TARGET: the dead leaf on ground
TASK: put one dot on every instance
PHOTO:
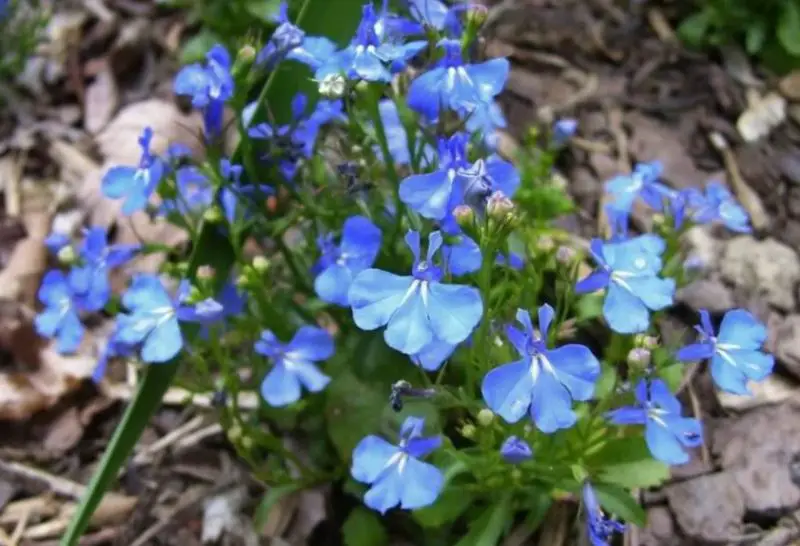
(101, 101)
(761, 117)
(39, 376)
(19, 280)
(64, 432)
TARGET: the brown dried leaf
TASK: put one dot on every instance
(64, 433)
(101, 101)
(19, 281)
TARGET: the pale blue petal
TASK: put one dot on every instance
(742, 329)
(375, 295)
(424, 93)
(628, 416)
(507, 390)
(656, 293)
(463, 257)
(660, 395)
(310, 376)
(370, 458)
(163, 343)
(362, 238)
(421, 484)
(663, 445)
(756, 365)
(409, 330)
(577, 368)
(454, 311)
(280, 387)
(428, 194)
(333, 284)
(433, 355)
(504, 175)
(551, 404)
(385, 493)
(727, 377)
(70, 333)
(688, 431)
(118, 181)
(489, 77)
(624, 312)
(48, 321)
(310, 343)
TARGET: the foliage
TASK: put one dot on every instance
(395, 290)
(21, 26)
(768, 29)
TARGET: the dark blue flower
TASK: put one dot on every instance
(545, 381)
(717, 205)
(153, 317)
(339, 264)
(89, 279)
(293, 364)
(370, 51)
(643, 182)
(629, 270)
(418, 308)
(209, 86)
(135, 184)
(735, 352)
(515, 450)
(396, 474)
(666, 432)
(456, 85)
(59, 318)
(599, 528)
(514, 260)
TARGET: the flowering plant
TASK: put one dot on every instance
(371, 264)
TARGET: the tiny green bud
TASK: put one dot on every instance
(468, 431)
(243, 280)
(639, 357)
(247, 443)
(247, 54)
(565, 255)
(477, 14)
(261, 264)
(645, 341)
(213, 215)
(464, 215)
(485, 417)
(659, 220)
(559, 181)
(67, 255)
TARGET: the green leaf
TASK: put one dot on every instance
(672, 375)
(195, 48)
(590, 307)
(606, 382)
(489, 528)
(694, 28)
(352, 410)
(756, 36)
(265, 10)
(363, 528)
(447, 508)
(789, 27)
(627, 462)
(538, 504)
(618, 501)
(272, 497)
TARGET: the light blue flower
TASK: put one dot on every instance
(135, 184)
(209, 87)
(396, 474)
(431, 357)
(339, 264)
(285, 38)
(599, 528)
(545, 381)
(629, 270)
(293, 364)
(666, 432)
(717, 205)
(735, 353)
(59, 319)
(643, 182)
(515, 450)
(418, 308)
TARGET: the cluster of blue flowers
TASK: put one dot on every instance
(431, 310)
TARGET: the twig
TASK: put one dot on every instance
(190, 498)
(698, 414)
(22, 524)
(198, 436)
(176, 396)
(102, 536)
(147, 453)
(55, 484)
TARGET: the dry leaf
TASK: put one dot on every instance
(42, 376)
(19, 281)
(762, 117)
(790, 85)
(64, 433)
(101, 101)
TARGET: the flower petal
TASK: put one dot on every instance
(507, 390)
(663, 444)
(624, 312)
(428, 194)
(310, 343)
(576, 368)
(333, 284)
(409, 329)
(280, 387)
(551, 404)
(375, 295)
(742, 329)
(163, 342)
(421, 484)
(454, 311)
(371, 457)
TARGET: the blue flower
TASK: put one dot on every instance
(293, 364)
(563, 130)
(237, 199)
(370, 51)
(453, 84)
(461, 254)
(629, 270)
(59, 318)
(195, 192)
(209, 86)
(135, 184)
(545, 381)
(338, 265)
(89, 279)
(599, 528)
(284, 39)
(114, 348)
(515, 450)
(735, 352)
(485, 119)
(717, 205)
(418, 308)
(396, 474)
(152, 318)
(436, 15)
(665, 431)
(56, 241)
(514, 261)
(643, 182)
(485, 177)
(431, 357)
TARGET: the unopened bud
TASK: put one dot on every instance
(194, 295)
(645, 341)
(500, 207)
(468, 431)
(485, 417)
(247, 443)
(477, 14)
(67, 255)
(260, 264)
(213, 215)
(235, 434)
(558, 181)
(565, 255)
(242, 281)
(545, 244)
(205, 272)
(247, 54)
(333, 86)
(639, 357)
(659, 220)
(464, 215)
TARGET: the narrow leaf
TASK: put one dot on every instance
(489, 528)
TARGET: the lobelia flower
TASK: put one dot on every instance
(293, 364)
(237, 199)
(485, 119)
(89, 279)
(456, 85)
(195, 192)
(486, 177)
(545, 381)
(338, 265)
(152, 320)
(369, 52)
(56, 241)
(461, 254)
(643, 182)
(135, 184)
(59, 318)
(232, 302)
(284, 39)
(717, 205)
(209, 86)
(436, 15)
(113, 349)
(563, 130)
(396, 474)
(629, 271)
(418, 308)
(515, 450)
(431, 357)
(665, 431)
(599, 528)
(735, 352)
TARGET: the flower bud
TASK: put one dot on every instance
(639, 357)
(499, 207)
(260, 264)
(205, 272)
(235, 434)
(477, 15)
(242, 281)
(468, 431)
(565, 255)
(485, 417)
(645, 341)
(333, 86)
(558, 181)
(247, 54)
(659, 220)
(563, 130)
(67, 255)
(515, 450)
(247, 443)
(213, 215)
(545, 244)
(464, 215)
